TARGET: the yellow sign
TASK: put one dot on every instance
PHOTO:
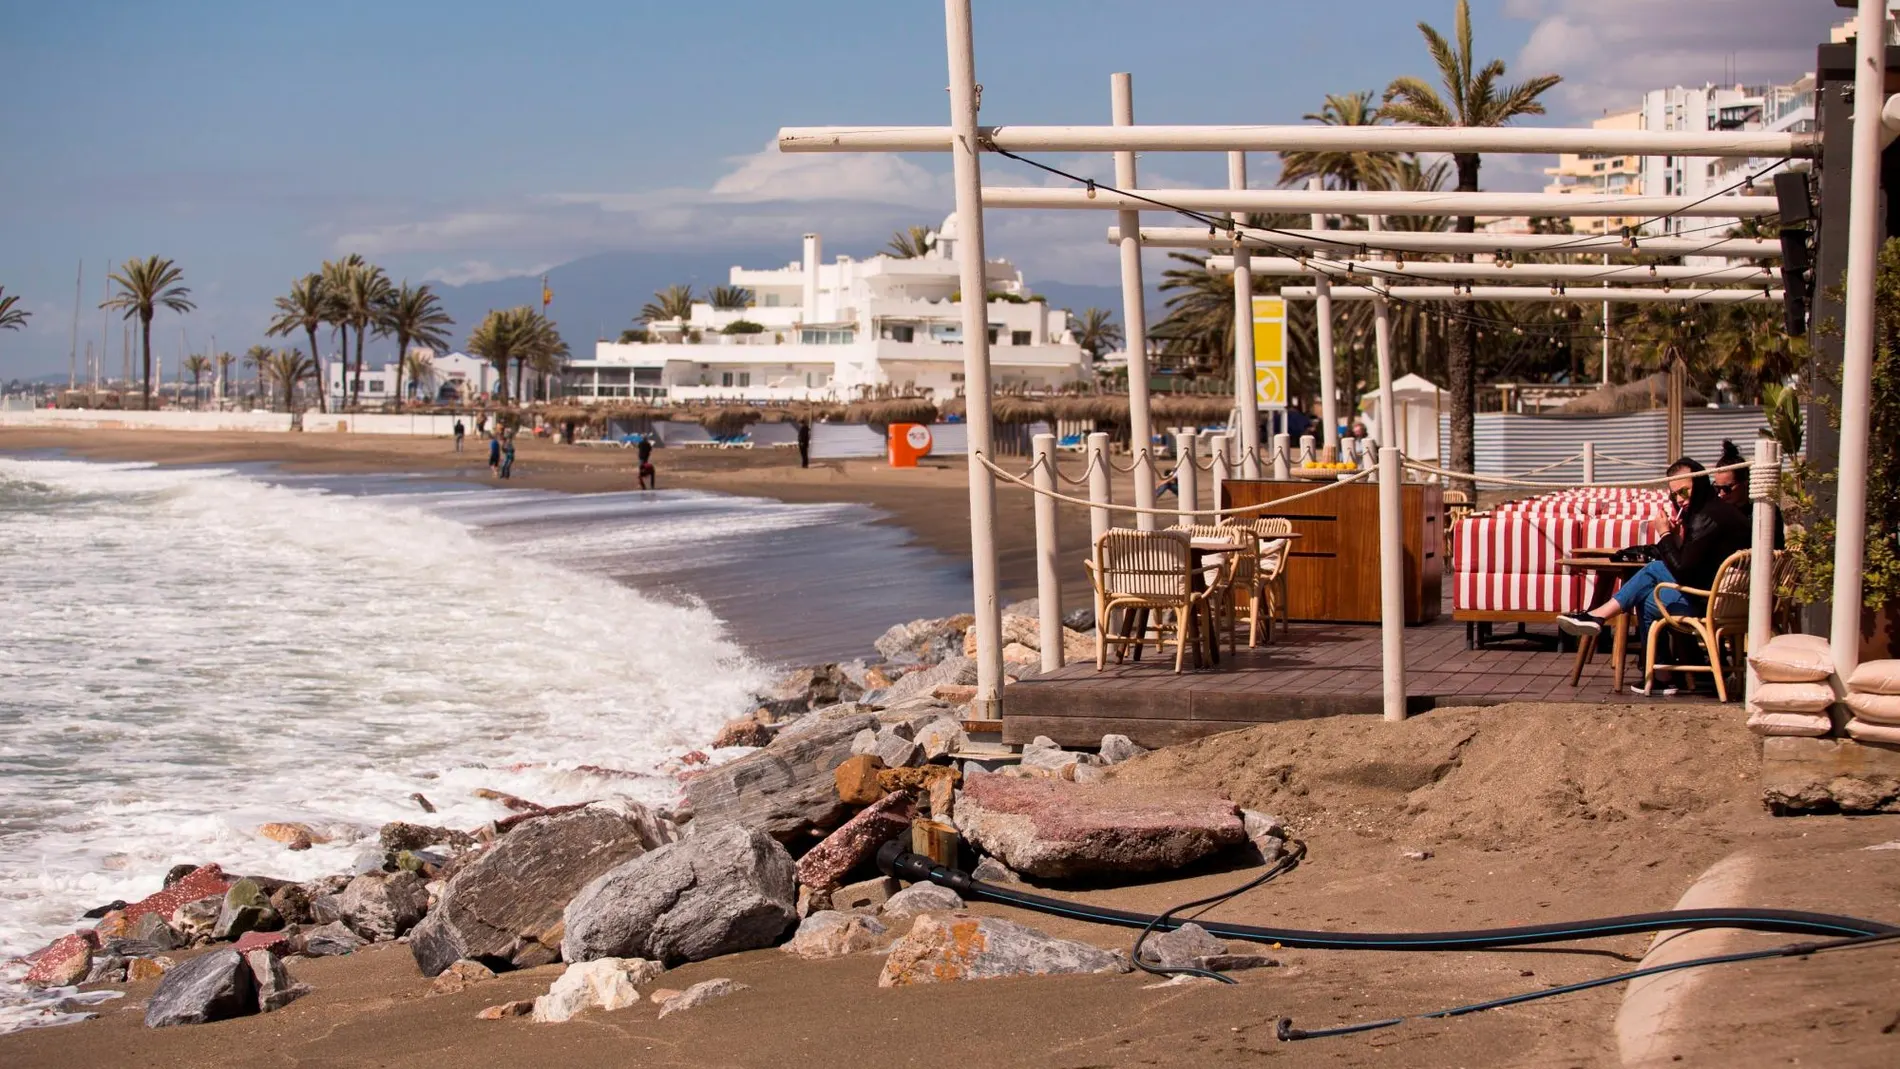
(1269, 351)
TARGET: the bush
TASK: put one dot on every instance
(742, 326)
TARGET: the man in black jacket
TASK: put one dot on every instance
(1704, 532)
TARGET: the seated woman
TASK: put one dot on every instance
(1703, 532)
(1732, 488)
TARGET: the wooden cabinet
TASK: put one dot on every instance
(1334, 570)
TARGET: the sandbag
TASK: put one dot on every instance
(1862, 731)
(1792, 698)
(1811, 725)
(1876, 677)
(1876, 708)
(1795, 659)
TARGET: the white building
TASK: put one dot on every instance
(835, 331)
(453, 378)
(1775, 108)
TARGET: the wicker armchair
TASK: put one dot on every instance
(1144, 574)
(1723, 619)
(1232, 570)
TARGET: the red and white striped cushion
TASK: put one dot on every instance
(1509, 563)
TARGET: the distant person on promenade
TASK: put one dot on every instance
(804, 443)
(494, 454)
(508, 455)
(460, 432)
(646, 449)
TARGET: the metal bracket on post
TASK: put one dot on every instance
(1048, 553)
(1392, 580)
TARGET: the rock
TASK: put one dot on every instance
(137, 969)
(856, 778)
(863, 895)
(941, 738)
(786, 789)
(154, 929)
(292, 904)
(1118, 748)
(330, 940)
(1266, 833)
(426, 864)
(898, 750)
(275, 990)
(990, 870)
(384, 907)
(177, 873)
(195, 920)
(1236, 962)
(1042, 753)
(955, 670)
(701, 993)
(1084, 773)
(328, 909)
(813, 688)
(65, 962)
(661, 994)
(864, 742)
(518, 1008)
(190, 885)
(459, 976)
(277, 943)
(858, 839)
(955, 693)
(1184, 948)
(295, 836)
(942, 948)
(1416, 855)
(106, 969)
(813, 899)
(211, 987)
(1053, 829)
(245, 909)
(924, 641)
(919, 899)
(604, 984)
(937, 782)
(397, 836)
(745, 731)
(831, 934)
(505, 906)
(1081, 621)
(724, 890)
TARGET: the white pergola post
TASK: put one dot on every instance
(1282, 463)
(1186, 483)
(1391, 529)
(1134, 312)
(1323, 321)
(1589, 462)
(1857, 361)
(972, 258)
(1220, 461)
(1048, 553)
(1246, 397)
(1764, 476)
(1101, 487)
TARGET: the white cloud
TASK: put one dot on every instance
(881, 177)
(468, 271)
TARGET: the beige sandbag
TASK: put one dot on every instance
(1875, 677)
(1865, 732)
(1792, 698)
(1811, 725)
(1876, 708)
(1794, 659)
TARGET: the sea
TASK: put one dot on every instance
(189, 653)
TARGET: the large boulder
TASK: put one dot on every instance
(211, 987)
(1025, 631)
(943, 948)
(1056, 829)
(504, 907)
(785, 789)
(379, 907)
(829, 862)
(246, 908)
(816, 687)
(954, 670)
(67, 961)
(723, 890)
(924, 641)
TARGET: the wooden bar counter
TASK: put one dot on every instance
(1333, 571)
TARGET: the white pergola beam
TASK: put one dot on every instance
(1342, 242)
(1383, 271)
(1537, 294)
(1374, 202)
(1506, 139)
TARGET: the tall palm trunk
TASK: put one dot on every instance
(1460, 358)
(356, 382)
(145, 342)
(402, 354)
(316, 361)
(521, 375)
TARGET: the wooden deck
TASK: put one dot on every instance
(1311, 670)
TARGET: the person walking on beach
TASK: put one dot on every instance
(494, 453)
(508, 455)
(460, 432)
(645, 449)
(804, 443)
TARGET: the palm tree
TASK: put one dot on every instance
(306, 307)
(547, 355)
(196, 365)
(357, 290)
(287, 368)
(225, 360)
(1096, 331)
(144, 286)
(910, 244)
(673, 302)
(11, 318)
(510, 334)
(1469, 100)
(1345, 170)
(258, 359)
(418, 364)
(1199, 326)
(728, 298)
(413, 315)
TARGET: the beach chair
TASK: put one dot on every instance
(1146, 575)
(1721, 627)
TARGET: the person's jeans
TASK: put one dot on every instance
(1635, 595)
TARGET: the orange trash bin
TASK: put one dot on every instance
(906, 443)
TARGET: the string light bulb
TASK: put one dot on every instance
(1091, 188)
(1652, 270)
(1398, 261)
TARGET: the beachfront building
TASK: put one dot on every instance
(1594, 173)
(813, 330)
(447, 379)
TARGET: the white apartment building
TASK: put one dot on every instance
(452, 378)
(834, 331)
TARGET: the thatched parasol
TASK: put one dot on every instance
(1196, 409)
(1010, 409)
(894, 410)
(1639, 396)
(727, 422)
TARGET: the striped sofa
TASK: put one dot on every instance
(1504, 562)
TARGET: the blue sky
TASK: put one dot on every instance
(474, 140)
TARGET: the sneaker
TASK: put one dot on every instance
(1580, 624)
(1664, 691)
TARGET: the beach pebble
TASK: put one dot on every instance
(1185, 947)
(518, 1008)
(701, 993)
(918, 899)
(831, 934)
(459, 976)
(947, 947)
(1416, 855)
(210, 987)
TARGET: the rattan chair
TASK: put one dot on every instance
(1146, 575)
(1457, 507)
(1228, 572)
(1721, 626)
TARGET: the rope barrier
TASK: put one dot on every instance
(1248, 510)
(1506, 480)
(1625, 463)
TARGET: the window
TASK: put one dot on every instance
(956, 376)
(904, 333)
(1019, 337)
(771, 300)
(615, 376)
(835, 336)
(745, 378)
(375, 386)
(725, 378)
(647, 375)
(993, 332)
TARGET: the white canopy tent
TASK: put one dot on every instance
(1418, 401)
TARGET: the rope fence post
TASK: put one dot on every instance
(1392, 581)
(1282, 469)
(1589, 463)
(1186, 488)
(1763, 488)
(1218, 474)
(1306, 448)
(1048, 553)
(1101, 487)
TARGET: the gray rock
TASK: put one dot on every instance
(1119, 748)
(106, 969)
(275, 990)
(831, 934)
(896, 751)
(868, 894)
(701, 993)
(811, 688)
(1184, 948)
(1416, 855)
(924, 641)
(785, 789)
(1050, 828)
(918, 899)
(864, 742)
(1266, 833)
(1082, 620)
(941, 738)
(330, 940)
(724, 890)
(819, 719)
(379, 907)
(947, 947)
(328, 909)
(990, 870)
(504, 907)
(954, 670)
(194, 921)
(1082, 772)
(151, 928)
(211, 987)
(1043, 753)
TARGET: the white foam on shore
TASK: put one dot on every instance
(185, 655)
